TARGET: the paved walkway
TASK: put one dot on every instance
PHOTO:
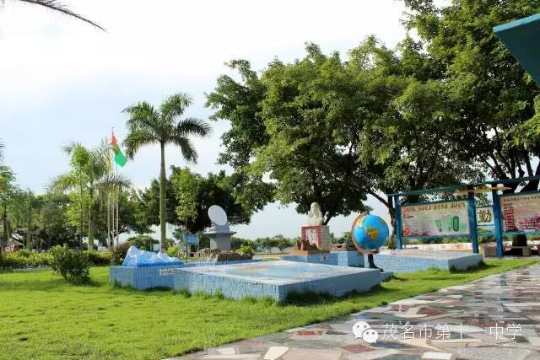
(497, 317)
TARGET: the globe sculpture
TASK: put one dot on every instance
(369, 232)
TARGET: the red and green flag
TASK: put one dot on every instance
(119, 157)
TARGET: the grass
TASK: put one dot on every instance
(43, 317)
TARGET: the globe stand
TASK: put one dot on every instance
(371, 263)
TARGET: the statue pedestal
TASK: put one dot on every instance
(318, 236)
(220, 240)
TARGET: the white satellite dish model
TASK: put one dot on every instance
(217, 215)
(220, 233)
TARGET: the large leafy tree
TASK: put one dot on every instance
(333, 131)
(238, 101)
(493, 96)
(309, 109)
(57, 6)
(53, 224)
(194, 194)
(164, 126)
(189, 197)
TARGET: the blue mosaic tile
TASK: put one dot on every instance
(275, 279)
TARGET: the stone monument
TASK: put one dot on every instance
(315, 236)
(220, 233)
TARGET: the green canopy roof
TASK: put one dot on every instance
(522, 38)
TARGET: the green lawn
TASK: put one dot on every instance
(42, 317)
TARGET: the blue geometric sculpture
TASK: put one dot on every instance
(142, 258)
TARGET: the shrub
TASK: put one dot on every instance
(143, 242)
(25, 260)
(73, 266)
(23, 253)
(173, 251)
(119, 253)
(99, 259)
(246, 250)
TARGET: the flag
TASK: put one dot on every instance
(119, 157)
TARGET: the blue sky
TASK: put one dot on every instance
(62, 80)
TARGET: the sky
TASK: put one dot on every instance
(62, 80)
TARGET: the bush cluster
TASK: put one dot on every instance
(246, 250)
(73, 266)
(99, 258)
(119, 253)
(24, 259)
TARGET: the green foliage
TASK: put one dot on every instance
(25, 260)
(237, 243)
(143, 242)
(89, 183)
(491, 96)
(73, 266)
(192, 194)
(246, 250)
(174, 251)
(99, 258)
(119, 253)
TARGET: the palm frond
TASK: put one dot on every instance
(186, 146)
(59, 7)
(63, 183)
(6, 177)
(142, 116)
(192, 126)
(114, 180)
(136, 139)
(70, 147)
(175, 105)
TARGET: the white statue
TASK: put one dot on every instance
(315, 217)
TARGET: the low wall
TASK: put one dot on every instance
(408, 262)
(339, 258)
(142, 278)
(338, 282)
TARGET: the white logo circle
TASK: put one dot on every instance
(359, 328)
(370, 336)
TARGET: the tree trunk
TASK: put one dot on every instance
(162, 198)
(91, 221)
(90, 233)
(3, 243)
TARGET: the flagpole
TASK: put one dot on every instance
(110, 204)
(109, 245)
(117, 209)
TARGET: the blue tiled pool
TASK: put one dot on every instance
(410, 260)
(275, 279)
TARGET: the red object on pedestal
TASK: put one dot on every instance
(313, 235)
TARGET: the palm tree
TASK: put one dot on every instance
(164, 126)
(89, 178)
(59, 7)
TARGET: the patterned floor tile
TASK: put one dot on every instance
(492, 318)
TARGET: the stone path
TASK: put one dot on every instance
(494, 318)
